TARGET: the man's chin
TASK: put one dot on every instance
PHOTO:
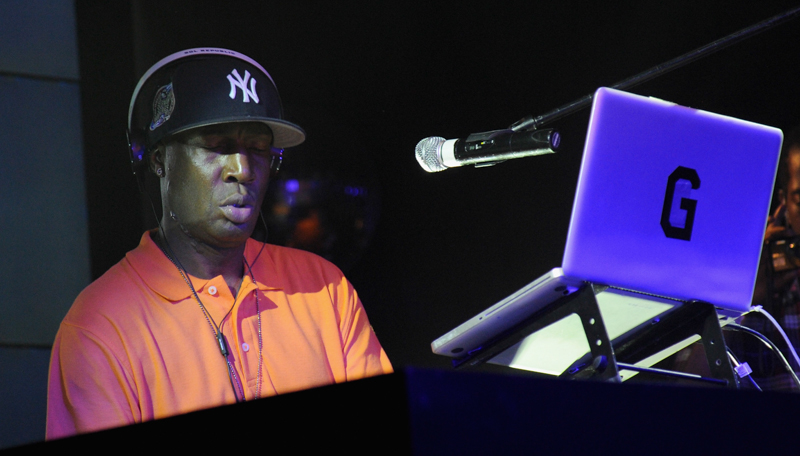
(233, 235)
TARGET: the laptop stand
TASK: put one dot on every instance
(605, 361)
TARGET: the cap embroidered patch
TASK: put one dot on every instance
(163, 104)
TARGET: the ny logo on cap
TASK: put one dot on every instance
(241, 83)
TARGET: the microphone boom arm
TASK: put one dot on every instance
(532, 123)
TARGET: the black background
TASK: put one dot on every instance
(368, 80)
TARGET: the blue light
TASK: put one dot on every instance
(354, 191)
(292, 185)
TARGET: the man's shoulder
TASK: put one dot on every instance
(292, 268)
(109, 295)
(290, 254)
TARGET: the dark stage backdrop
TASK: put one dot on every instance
(367, 80)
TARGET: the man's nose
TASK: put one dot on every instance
(239, 167)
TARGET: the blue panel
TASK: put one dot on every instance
(23, 395)
(38, 37)
(44, 234)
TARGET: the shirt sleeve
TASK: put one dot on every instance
(364, 356)
(88, 388)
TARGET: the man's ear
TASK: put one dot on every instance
(158, 159)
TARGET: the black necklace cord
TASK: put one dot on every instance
(215, 329)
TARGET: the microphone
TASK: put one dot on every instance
(436, 154)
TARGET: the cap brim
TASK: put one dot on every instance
(284, 134)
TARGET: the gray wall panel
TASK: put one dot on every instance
(44, 242)
(38, 37)
(44, 236)
(23, 395)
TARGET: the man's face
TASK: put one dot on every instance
(215, 181)
(793, 190)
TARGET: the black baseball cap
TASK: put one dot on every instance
(205, 86)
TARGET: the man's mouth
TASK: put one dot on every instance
(238, 209)
(237, 213)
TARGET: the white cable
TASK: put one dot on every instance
(733, 361)
(783, 334)
(771, 346)
(743, 370)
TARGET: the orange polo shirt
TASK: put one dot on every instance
(135, 346)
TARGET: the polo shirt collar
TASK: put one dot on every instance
(259, 257)
(162, 276)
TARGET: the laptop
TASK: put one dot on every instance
(671, 206)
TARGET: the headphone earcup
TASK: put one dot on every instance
(275, 162)
(137, 151)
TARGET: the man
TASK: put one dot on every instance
(199, 314)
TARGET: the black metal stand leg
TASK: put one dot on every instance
(604, 363)
(693, 318)
(716, 350)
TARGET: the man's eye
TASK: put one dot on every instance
(224, 148)
(219, 148)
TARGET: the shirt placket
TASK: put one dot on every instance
(240, 330)
(218, 300)
(246, 336)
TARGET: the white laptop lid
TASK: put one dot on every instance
(671, 200)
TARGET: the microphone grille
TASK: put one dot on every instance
(429, 154)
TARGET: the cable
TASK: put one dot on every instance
(761, 310)
(736, 365)
(769, 344)
(264, 242)
(214, 328)
(217, 329)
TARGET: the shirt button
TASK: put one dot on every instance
(212, 290)
(245, 347)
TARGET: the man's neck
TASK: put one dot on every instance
(202, 260)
